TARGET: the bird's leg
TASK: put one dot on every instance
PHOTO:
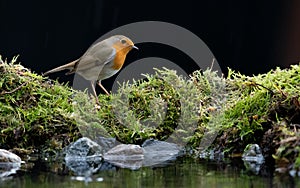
(94, 91)
(99, 83)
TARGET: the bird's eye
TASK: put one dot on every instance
(123, 41)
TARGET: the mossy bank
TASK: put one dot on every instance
(203, 112)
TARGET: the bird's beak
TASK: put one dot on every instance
(135, 47)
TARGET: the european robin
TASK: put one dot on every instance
(101, 61)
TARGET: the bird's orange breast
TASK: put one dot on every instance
(119, 59)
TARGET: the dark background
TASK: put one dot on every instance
(250, 36)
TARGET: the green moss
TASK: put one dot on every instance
(33, 109)
(204, 110)
(156, 107)
(255, 109)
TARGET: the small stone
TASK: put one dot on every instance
(84, 157)
(106, 143)
(160, 152)
(252, 152)
(293, 173)
(83, 147)
(9, 157)
(253, 158)
(125, 156)
(9, 163)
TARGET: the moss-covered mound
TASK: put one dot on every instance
(163, 106)
(34, 112)
(264, 109)
(204, 111)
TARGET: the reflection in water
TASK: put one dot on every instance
(7, 169)
(187, 173)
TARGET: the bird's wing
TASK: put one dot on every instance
(95, 56)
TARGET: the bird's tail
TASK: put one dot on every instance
(69, 66)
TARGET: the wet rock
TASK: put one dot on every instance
(83, 147)
(160, 152)
(125, 156)
(207, 154)
(84, 166)
(84, 157)
(9, 163)
(252, 152)
(253, 158)
(6, 156)
(7, 169)
(293, 173)
(107, 166)
(106, 143)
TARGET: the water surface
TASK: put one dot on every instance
(182, 173)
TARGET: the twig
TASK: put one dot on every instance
(265, 88)
(212, 64)
(289, 139)
(14, 90)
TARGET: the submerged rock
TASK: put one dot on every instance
(125, 156)
(9, 163)
(160, 152)
(84, 166)
(253, 158)
(84, 157)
